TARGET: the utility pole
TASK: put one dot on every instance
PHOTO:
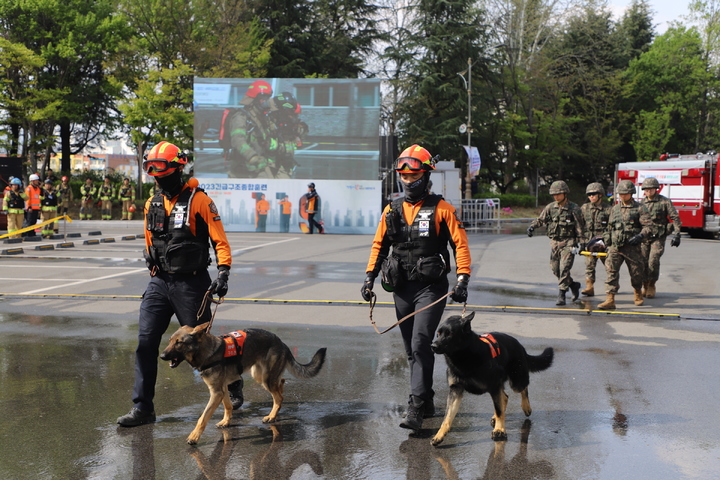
(468, 86)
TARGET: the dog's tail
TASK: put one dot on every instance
(308, 370)
(538, 363)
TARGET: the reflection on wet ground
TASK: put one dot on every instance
(67, 380)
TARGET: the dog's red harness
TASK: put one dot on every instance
(492, 343)
(234, 342)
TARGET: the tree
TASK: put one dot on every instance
(670, 79)
(73, 37)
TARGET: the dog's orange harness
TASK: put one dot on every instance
(234, 342)
(492, 343)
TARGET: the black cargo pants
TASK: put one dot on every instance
(418, 331)
(166, 294)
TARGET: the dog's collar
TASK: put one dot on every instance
(232, 346)
(492, 343)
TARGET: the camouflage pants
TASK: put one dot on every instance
(590, 264)
(632, 256)
(652, 251)
(561, 261)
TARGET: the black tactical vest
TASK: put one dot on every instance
(174, 248)
(49, 199)
(15, 200)
(418, 240)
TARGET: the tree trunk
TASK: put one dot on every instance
(65, 163)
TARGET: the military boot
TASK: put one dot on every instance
(639, 298)
(561, 297)
(650, 290)
(575, 289)
(609, 303)
(589, 288)
(414, 416)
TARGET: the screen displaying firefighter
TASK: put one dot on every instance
(287, 128)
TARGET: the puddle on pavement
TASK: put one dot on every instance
(65, 392)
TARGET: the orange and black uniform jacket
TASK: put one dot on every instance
(444, 213)
(286, 207)
(203, 205)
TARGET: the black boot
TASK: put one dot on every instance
(414, 416)
(136, 417)
(236, 394)
(561, 297)
(575, 287)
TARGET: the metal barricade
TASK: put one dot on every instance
(479, 213)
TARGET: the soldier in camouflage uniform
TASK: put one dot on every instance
(661, 211)
(565, 229)
(595, 214)
(629, 224)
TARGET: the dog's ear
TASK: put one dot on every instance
(466, 319)
(200, 328)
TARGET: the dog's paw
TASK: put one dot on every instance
(269, 419)
(499, 435)
(223, 424)
(437, 441)
(191, 440)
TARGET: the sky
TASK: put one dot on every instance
(664, 11)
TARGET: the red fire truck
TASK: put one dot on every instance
(692, 182)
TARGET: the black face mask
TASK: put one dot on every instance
(417, 190)
(170, 185)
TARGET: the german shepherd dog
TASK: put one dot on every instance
(483, 363)
(263, 353)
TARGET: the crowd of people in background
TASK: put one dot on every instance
(50, 198)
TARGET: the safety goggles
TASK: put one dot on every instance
(157, 166)
(409, 164)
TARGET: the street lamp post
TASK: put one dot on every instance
(468, 86)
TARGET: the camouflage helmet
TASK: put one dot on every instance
(625, 186)
(595, 188)
(559, 187)
(650, 182)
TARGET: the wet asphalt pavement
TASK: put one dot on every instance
(632, 394)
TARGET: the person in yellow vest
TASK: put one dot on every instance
(32, 207)
(262, 207)
(285, 211)
(65, 196)
(49, 209)
(126, 194)
(88, 192)
(14, 203)
(107, 192)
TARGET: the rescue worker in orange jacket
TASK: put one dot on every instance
(313, 208)
(285, 213)
(419, 229)
(33, 204)
(262, 207)
(181, 222)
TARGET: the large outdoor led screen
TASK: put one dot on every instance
(333, 129)
(260, 140)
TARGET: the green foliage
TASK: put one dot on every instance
(510, 199)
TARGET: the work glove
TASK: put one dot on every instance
(219, 286)
(366, 289)
(530, 231)
(675, 242)
(636, 239)
(460, 293)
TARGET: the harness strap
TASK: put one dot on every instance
(492, 343)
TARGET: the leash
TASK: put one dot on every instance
(208, 298)
(373, 300)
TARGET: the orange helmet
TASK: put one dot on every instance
(259, 87)
(162, 158)
(414, 159)
(131, 208)
(64, 179)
